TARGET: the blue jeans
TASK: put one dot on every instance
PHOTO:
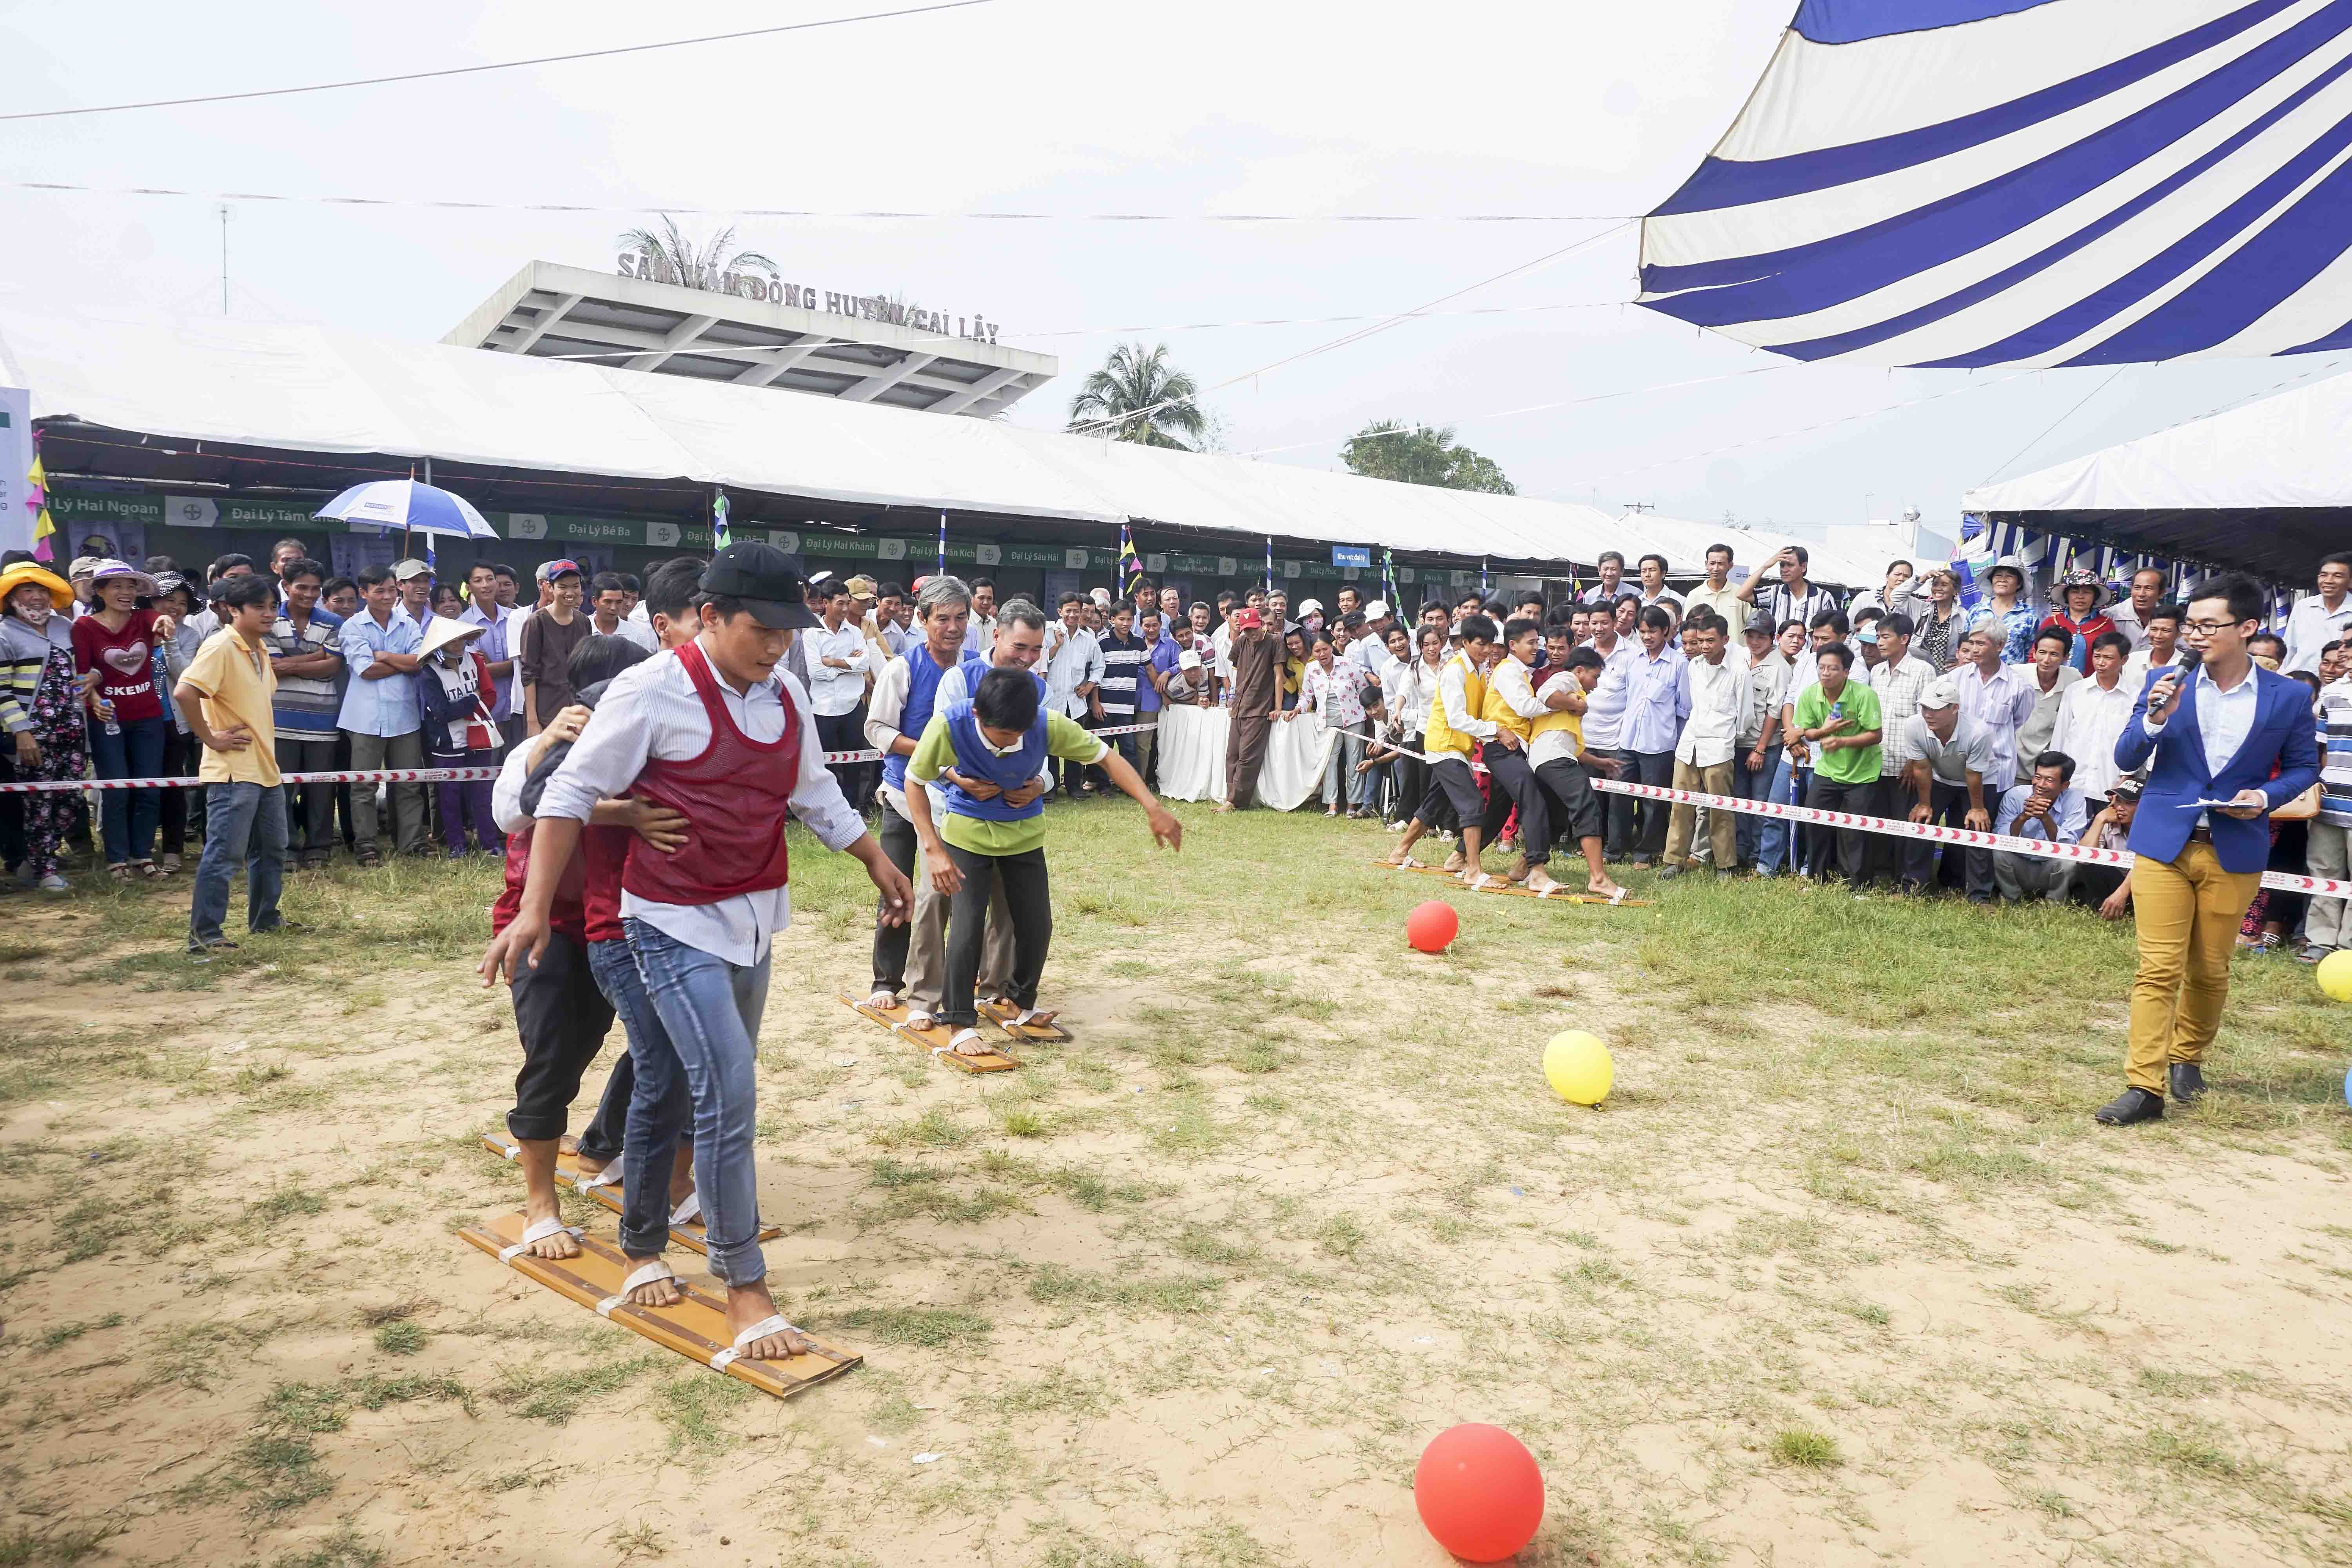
(711, 1011)
(1752, 783)
(246, 819)
(1774, 849)
(659, 1105)
(127, 818)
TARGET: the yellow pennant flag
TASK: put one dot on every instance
(37, 475)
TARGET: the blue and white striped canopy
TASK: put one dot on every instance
(1967, 182)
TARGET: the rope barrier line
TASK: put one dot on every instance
(399, 775)
(1967, 837)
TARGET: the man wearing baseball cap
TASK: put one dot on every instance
(1949, 760)
(717, 730)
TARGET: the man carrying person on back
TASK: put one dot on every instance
(906, 695)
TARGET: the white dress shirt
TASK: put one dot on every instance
(2312, 626)
(2137, 668)
(653, 710)
(1718, 695)
(1604, 706)
(833, 692)
(2090, 720)
(1073, 659)
(2001, 703)
(2224, 718)
(1555, 745)
(1453, 685)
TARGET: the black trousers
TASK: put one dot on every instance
(1573, 804)
(1852, 843)
(1645, 820)
(564, 1018)
(1948, 803)
(846, 733)
(1453, 788)
(1027, 900)
(897, 838)
(1513, 783)
(311, 807)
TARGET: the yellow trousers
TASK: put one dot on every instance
(2186, 913)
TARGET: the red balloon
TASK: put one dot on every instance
(1432, 926)
(1480, 1491)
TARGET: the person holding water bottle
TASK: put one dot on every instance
(112, 648)
(1839, 718)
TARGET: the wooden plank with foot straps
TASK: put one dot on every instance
(1006, 1016)
(568, 1174)
(1496, 885)
(696, 1327)
(934, 1039)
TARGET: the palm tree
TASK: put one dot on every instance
(1138, 396)
(673, 258)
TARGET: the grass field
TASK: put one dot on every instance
(1843, 1273)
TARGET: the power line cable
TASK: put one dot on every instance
(1345, 338)
(496, 66)
(2055, 422)
(642, 208)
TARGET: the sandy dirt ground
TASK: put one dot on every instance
(1194, 1290)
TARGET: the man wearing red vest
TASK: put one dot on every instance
(716, 732)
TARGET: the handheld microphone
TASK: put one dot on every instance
(2189, 659)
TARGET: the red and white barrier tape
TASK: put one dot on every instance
(375, 775)
(394, 775)
(1966, 837)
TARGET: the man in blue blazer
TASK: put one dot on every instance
(2216, 736)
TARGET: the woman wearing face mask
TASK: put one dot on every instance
(40, 707)
(113, 647)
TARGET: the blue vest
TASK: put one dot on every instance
(975, 758)
(923, 678)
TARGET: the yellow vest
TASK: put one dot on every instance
(1500, 711)
(1439, 737)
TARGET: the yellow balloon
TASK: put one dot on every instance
(2336, 974)
(1577, 1068)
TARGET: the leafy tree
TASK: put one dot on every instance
(1139, 396)
(673, 259)
(1388, 449)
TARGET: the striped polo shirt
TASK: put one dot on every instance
(2336, 771)
(305, 706)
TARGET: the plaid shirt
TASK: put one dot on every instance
(1898, 687)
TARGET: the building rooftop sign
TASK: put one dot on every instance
(753, 330)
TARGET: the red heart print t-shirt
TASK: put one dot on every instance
(124, 661)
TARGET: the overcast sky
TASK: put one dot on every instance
(1052, 106)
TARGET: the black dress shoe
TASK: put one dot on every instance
(2188, 1081)
(2133, 1105)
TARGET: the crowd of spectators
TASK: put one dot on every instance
(1904, 703)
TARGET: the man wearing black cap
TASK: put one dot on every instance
(718, 732)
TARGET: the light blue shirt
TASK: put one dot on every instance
(386, 707)
(1656, 701)
(493, 646)
(2067, 809)
(2224, 718)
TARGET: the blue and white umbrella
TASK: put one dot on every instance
(410, 507)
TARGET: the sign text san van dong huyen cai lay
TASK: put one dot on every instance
(808, 297)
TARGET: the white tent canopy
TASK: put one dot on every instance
(315, 389)
(2292, 450)
(2265, 487)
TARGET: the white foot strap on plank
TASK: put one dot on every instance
(773, 1323)
(689, 1210)
(646, 1273)
(537, 1231)
(961, 1035)
(610, 1176)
